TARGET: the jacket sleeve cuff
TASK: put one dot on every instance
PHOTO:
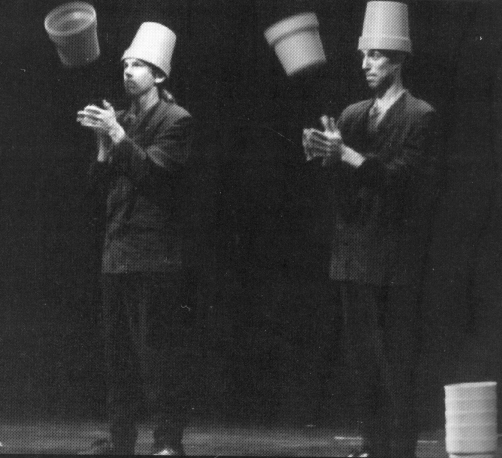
(127, 148)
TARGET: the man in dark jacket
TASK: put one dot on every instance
(383, 157)
(146, 318)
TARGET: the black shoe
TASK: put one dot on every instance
(99, 447)
(168, 450)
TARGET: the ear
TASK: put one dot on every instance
(401, 57)
(159, 79)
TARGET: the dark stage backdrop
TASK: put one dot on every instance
(258, 218)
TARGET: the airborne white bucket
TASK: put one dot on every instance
(73, 29)
(471, 419)
(297, 42)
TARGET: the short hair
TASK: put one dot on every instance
(163, 92)
(396, 57)
(156, 71)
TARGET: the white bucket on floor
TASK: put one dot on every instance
(297, 42)
(471, 419)
(72, 27)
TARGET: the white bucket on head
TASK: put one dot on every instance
(386, 27)
(297, 42)
(73, 29)
(154, 43)
(471, 418)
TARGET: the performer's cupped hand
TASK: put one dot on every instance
(324, 144)
(101, 120)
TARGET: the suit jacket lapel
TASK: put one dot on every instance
(387, 125)
(357, 134)
(145, 124)
(394, 111)
(151, 119)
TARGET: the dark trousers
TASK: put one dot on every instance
(147, 327)
(381, 329)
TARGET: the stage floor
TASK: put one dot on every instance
(203, 439)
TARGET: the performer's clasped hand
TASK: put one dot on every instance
(324, 144)
(102, 121)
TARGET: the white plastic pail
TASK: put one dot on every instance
(297, 42)
(73, 29)
(386, 26)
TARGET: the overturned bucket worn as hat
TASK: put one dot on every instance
(154, 43)
(386, 27)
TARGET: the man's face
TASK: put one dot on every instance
(381, 70)
(138, 77)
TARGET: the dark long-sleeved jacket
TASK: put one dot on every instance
(143, 231)
(383, 208)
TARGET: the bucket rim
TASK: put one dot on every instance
(291, 25)
(62, 9)
(471, 384)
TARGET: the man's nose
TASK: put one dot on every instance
(365, 64)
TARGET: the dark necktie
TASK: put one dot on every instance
(373, 116)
